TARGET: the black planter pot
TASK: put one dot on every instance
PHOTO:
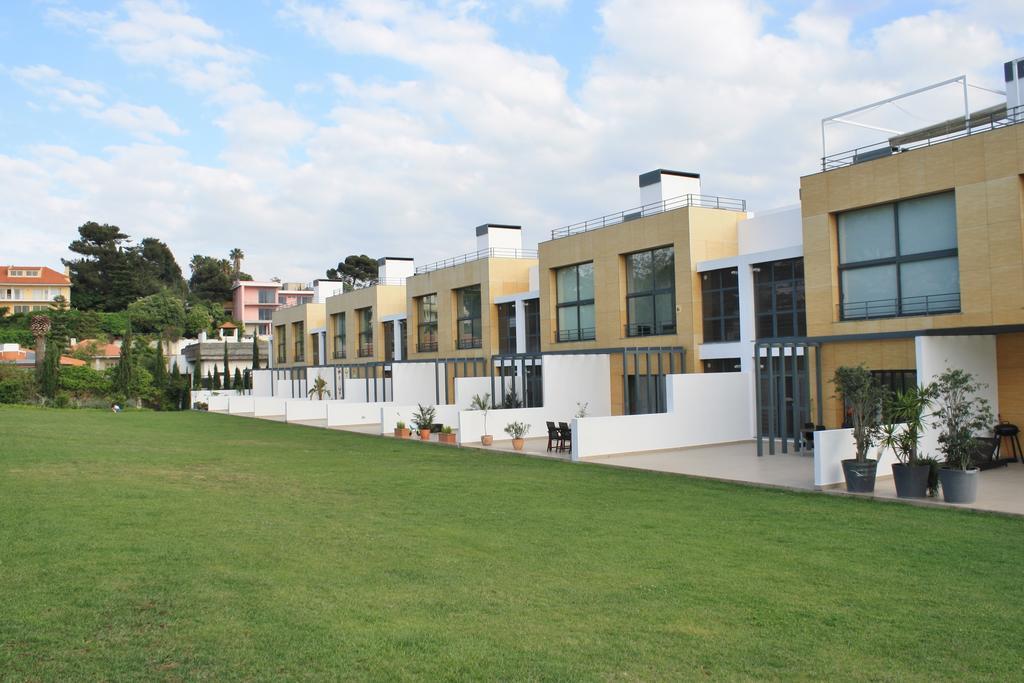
(860, 476)
(959, 486)
(911, 480)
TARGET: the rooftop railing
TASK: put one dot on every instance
(493, 252)
(879, 150)
(378, 282)
(701, 201)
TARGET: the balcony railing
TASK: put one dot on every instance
(700, 201)
(426, 347)
(338, 353)
(582, 334)
(469, 343)
(493, 252)
(650, 329)
(1011, 116)
(929, 304)
(365, 350)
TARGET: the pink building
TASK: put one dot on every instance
(254, 302)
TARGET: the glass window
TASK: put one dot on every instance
(721, 305)
(575, 302)
(899, 259)
(338, 323)
(507, 328)
(533, 325)
(279, 335)
(651, 292)
(468, 324)
(721, 365)
(779, 302)
(365, 318)
(426, 330)
(299, 332)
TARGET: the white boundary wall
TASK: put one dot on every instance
(261, 383)
(832, 446)
(204, 395)
(467, 387)
(346, 413)
(240, 404)
(975, 354)
(415, 383)
(446, 414)
(703, 409)
(577, 379)
(266, 406)
(218, 403)
(302, 409)
(471, 423)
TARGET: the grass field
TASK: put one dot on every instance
(191, 545)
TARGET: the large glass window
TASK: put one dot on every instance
(279, 335)
(266, 314)
(720, 295)
(575, 288)
(404, 338)
(532, 325)
(365, 318)
(899, 259)
(338, 323)
(507, 328)
(389, 340)
(468, 325)
(267, 296)
(651, 292)
(426, 331)
(721, 365)
(299, 332)
(779, 299)
(314, 345)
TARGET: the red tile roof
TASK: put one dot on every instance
(26, 357)
(47, 276)
(97, 350)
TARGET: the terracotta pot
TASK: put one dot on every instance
(518, 444)
(447, 438)
(486, 440)
(425, 434)
(402, 433)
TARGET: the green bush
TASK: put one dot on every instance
(17, 385)
(13, 335)
(82, 381)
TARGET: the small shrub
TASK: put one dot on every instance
(517, 430)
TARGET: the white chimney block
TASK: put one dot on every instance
(662, 184)
(1013, 74)
(393, 268)
(494, 236)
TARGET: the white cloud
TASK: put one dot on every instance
(144, 122)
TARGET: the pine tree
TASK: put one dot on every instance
(236, 384)
(216, 377)
(124, 374)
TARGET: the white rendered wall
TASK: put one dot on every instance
(345, 414)
(702, 409)
(975, 354)
(415, 383)
(290, 388)
(302, 409)
(669, 187)
(572, 379)
(467, 387)
(500, 238)
(240, 404)
(471, 423)
(204, 395)
(770, 230)
(832, 446)
(218, 403)
(263, 406)
(261, 382)
(390, 414)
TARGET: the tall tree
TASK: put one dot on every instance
(159, 269)
(255, 352)
(356, 271)
(124, 374)
(40, 326)
(225, 362)
(175, 389)
(236, 382)
(211, 278)
(236, 257)
(197, 375)
(49, 374)
(159, 367)
(161, 313)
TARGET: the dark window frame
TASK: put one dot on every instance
(426, 346)
(712, 284)
(475, 322)
(580, 333)
(299, 330)
(506, 314)
(340, 336)
(713, 365)
(532, 310)
(897, 308)
(656, 327)
(364, 316)
(282, 343)
(766, 277)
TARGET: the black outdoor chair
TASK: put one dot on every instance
(565, 436)
(554, 437)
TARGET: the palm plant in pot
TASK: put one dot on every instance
(423, 419)
(862, 394)
(905, 421)
(483, 402)
(959, 414)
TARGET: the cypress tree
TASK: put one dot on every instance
(159, 367)
(174, 388)
(255, 352)
(209, 380)
(226, 366)
(216, 377)
(236, 384)
(197, 377)
(124, 373)
(48, 376)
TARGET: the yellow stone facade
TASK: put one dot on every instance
(384, 300)
(285, 322)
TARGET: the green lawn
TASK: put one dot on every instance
(191, 545)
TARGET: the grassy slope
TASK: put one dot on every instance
(192, 545)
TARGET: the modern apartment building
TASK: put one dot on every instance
(297, 341)
(32, 288)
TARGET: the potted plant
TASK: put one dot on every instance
(319, 389)
(401, 431)
(517, 430)
(905, 421)
(483, 402)
(447, 435)
(959, 415)
(423, 418)
(862, 394)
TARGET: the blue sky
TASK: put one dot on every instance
(305, 130)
